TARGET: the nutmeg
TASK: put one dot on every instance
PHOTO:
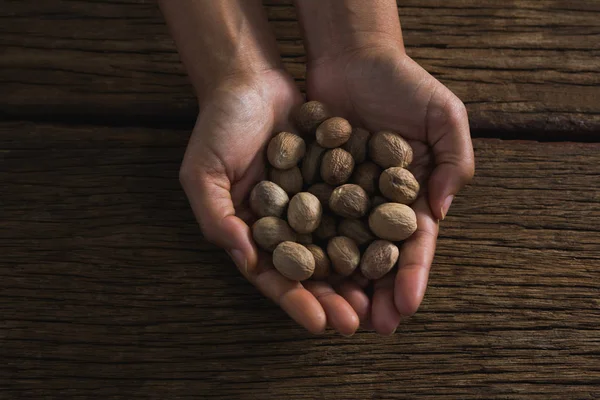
(304, 238)
(304, 212)
(349, 201)
(268, 199)
(393, 221)
(388, 149)
(366, 176)
(336, 166)
(399, 185)
(333, 132)
(327, 228)
(358, 144)
(377, 201)
(268, 232)
(357, 230)
(322, 263)
(379, 258)
(323, 192)
(294, 261)
(310, 115)
(311, 164)
(285, 150)
(289, 180)
(344, 255)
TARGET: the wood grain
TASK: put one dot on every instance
(107, 289)
(518, 65)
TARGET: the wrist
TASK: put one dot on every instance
(357, 42)
(239, 74)
(357, 25)
(273, 86)
(221, 39)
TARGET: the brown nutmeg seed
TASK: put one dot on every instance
(344, 255)
(268, 199)
(333, 132)
(349, 201)
(336, 166)
(388, 149)
(311, 165)
(357, 230)
(289, 180)
(393, 221)
(399, 185)
(322, 263)
(268, 232)
(323, 192)
(377, 201)
(285, 150)
(304, 212)
(379, 259)
(358, 144)
(304, 238)
(366, 176)
(327, 228)
(294, 261)
(310, 115)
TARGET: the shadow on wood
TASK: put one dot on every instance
(108, 289)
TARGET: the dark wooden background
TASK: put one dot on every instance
(107, 289)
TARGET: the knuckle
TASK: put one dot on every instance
(456, 111)
(447, 111)
(465, 170)
(470, 171)
(187, 173)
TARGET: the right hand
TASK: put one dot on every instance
(380, 88)
(223, 161)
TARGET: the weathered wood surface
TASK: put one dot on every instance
(108, 290)
(518, 65)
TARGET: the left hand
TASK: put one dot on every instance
(224, 160)
(382, 88)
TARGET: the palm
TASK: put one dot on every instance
(385, 89)
(231, 133)
(224, 159)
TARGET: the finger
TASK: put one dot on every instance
(448, 134)
(416, 256)
(368, 325)
(384, 315)
(207, 183)
(340, 315)
(359, 279)
(291, 296)
(208, 193)
(357, 299)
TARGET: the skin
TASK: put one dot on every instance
(356, 65)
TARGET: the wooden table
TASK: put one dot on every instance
(107, 289)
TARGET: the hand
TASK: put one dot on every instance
(224, 160)
(382, 88)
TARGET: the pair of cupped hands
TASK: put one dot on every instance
(375, 88)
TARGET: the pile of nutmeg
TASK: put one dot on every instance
(349, 193)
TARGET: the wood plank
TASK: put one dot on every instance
(520, 64)
(108, 290)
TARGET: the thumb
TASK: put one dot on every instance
(208, 191)
(448, 130)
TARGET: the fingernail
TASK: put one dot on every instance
(446, 205)
(238, 258)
